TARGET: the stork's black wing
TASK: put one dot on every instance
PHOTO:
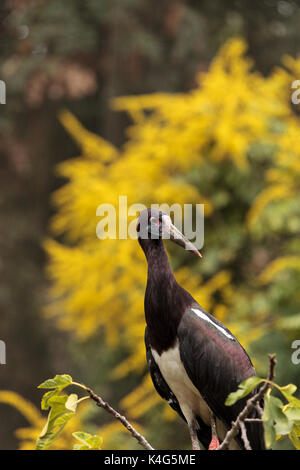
(163, 389)
(216, 363)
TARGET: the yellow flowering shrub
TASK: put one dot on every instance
(231, 144)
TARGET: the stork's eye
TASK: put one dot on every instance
(155, 221)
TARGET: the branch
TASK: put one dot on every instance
(250, 404)
(252, 420)
(106, 406)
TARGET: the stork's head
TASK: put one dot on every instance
(155, 225)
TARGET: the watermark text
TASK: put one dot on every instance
(121, 222)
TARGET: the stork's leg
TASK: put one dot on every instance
(214, 443)
(193, 433)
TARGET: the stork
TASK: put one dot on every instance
(193, 359)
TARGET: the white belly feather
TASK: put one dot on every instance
(189, 398)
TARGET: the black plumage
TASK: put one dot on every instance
(194, 360)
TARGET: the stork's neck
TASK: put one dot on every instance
(165, 300)
(159, 269)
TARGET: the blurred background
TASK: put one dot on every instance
(172, 101)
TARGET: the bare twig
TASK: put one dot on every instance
(259, 410)
(251, 403)
(106, 406)
(252, 420)
(244, 436)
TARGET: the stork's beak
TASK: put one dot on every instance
(172, 232)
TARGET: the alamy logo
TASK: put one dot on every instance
(114, 223)
(2, 352)
(2, 92)
(296, 354)
(295, 95)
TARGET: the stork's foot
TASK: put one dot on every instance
(214, 443)
(193, 434)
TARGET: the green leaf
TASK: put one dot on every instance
(268, 422)
(294, 437)
(243, 390)
(80, 447)
(57, 384)
(81, 436)
(293, 412)
(62, 409)
(276, 422)
(288, 392)
(283, 424)
(288, 389)
(71, 402)
(45, 399)
(59, 381)
(88, 441)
